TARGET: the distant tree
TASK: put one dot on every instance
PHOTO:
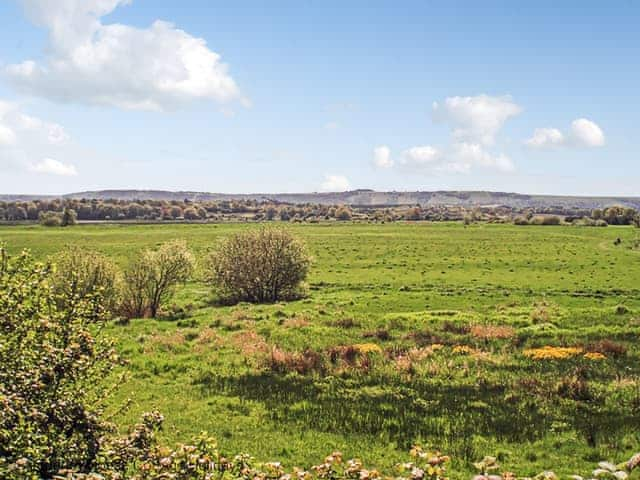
(343, 213)
(202, 212)
(69, 217)
(190, 213)
(414, 213)
(16, 213)
(175, 212)
(596, 214)
(270, 213)
(50, 219)
(32, 211)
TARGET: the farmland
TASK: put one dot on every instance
(518, 342)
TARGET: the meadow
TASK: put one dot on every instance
(514, 341)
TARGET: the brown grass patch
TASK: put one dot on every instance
(492, 332)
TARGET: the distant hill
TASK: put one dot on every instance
(363, 198)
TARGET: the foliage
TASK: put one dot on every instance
(69, 217)
(261, 265)
(150, 280)
(52, 367)
(50, 219)
(81, 274)
(424, 285)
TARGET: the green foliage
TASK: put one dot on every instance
(50, 376)
(151, 279)
(69, 217)
(50, 219)
(82, 273)
(496, 290)
(261, 265)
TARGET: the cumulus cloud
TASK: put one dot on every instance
(545, 137)
(425, 155)
(156, 68)
(7, 136)
(54, 167)
(475, 119)
(475, 123)
(582, 133)
(335, 183)
(586, 133)
(27, 142)
(464, 156)
(382, 157)
(459, 157)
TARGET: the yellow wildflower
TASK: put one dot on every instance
(365, 348)
(462, 349)
(594, 356)
(552, 353)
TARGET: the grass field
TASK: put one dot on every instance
(441, 320)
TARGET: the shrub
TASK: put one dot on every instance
(263, 265)
(69, 217)
(520, 221)
(545, 220)
(151, 279)
(343, 214)
(52, 369)
(80, 274)
(50, 219)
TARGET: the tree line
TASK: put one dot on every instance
(63, 212)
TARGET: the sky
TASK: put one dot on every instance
(307, 95)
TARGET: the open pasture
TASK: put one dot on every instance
(518, 342)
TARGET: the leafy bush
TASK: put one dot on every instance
(151, 279)
(50, 219)
(546, 220)
(81, 273)
(51, 369)
(263, 265)
(69, 217)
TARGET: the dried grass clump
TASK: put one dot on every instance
(305, 362)
(492, 332)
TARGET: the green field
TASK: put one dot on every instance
(482, 294)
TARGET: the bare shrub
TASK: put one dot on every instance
(259, 266)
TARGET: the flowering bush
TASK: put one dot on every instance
(51, 370)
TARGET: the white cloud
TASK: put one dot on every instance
(425, 155)
(7, 137)
(26, 142)
(54, 167)
(335, 183)
(586, 133)
(465, 156)
(475, 123)
(382, 157)
(157, 68)
(460, 157)
(476, 119)
(582, 133)
(545, 137)
(331, 126)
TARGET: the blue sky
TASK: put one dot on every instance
(319, 95)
